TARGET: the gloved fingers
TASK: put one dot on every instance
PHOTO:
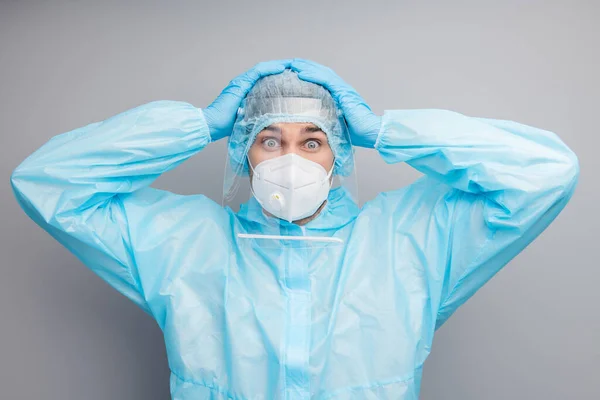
(271, 67)
(311, 71)
(299, 64)
(352, 100)
(241, 85)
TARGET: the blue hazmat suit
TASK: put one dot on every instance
(345, 322)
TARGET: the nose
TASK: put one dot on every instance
(289, 148)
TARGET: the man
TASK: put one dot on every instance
(301, 293)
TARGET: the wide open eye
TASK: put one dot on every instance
(270, 143)
(312, 144)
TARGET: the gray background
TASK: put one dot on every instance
(531, 333)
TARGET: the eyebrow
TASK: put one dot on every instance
(307, 129)
(312, 129)
(272, 128)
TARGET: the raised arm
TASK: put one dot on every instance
(89, 188)
(82, 185)
(506, 183)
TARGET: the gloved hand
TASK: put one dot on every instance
(363, 124)
(220, 115)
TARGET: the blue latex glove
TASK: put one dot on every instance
(220, 115)
(363, 124)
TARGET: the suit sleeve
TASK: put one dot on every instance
(83, 186)
(506, 183)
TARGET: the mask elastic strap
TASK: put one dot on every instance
(330, 171)
(251, 186)
(251, 167)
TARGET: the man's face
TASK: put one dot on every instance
(304, 139)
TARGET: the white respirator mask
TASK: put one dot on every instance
(290, 187)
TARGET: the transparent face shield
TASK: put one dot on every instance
(290, 165)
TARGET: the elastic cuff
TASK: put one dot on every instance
(380, 132)
(205, 123)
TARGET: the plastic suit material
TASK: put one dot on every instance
(342, 322)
